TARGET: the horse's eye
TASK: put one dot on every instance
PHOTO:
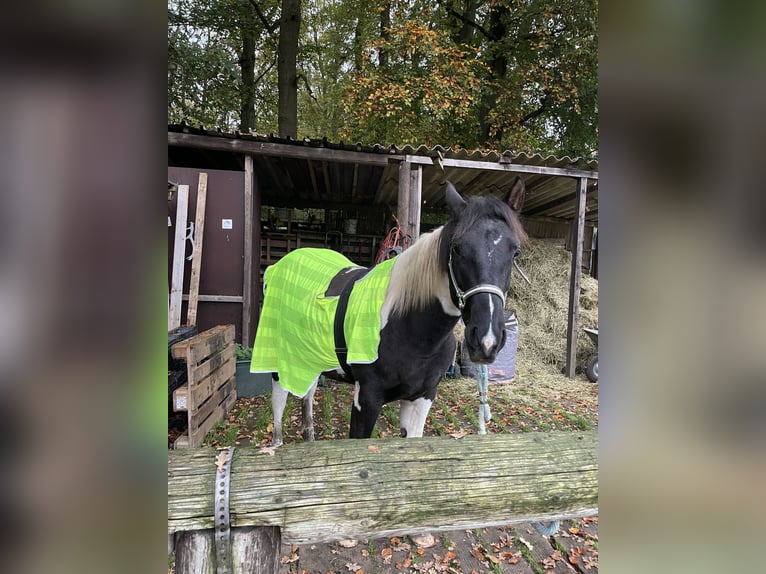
(517, 253)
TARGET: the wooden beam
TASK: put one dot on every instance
(518, 168)
(274, 149)
(416, 194)
(247, 293)
(403, 197)
(372, 488)
(199, 234)
(368, 158)
(179, 244)
(574, 279)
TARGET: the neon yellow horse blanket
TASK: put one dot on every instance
(295, 331)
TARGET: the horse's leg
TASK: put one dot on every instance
(412, 416)
(364, 412)
(307, 413)
(278, 402)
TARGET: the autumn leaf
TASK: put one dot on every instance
(477, 553)
(549, 563)
(222, 459)
(459, 434)
(387, 553)
(373, 448)
(268, 450)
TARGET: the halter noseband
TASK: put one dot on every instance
(462, 296)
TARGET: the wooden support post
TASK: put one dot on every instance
(247, 284)
(199, 231)
(253, 549)
(403, 198)
(177, 277)
(413, 214)
(574, 278)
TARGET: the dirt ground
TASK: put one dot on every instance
(518, 550)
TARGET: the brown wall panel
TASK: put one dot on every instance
(221, 272)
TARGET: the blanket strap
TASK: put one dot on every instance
(341, 350)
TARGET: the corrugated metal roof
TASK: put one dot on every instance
(312, 172)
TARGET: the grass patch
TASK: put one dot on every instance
(527, 554)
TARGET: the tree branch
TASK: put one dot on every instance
(464, 20)
(269, 27)
(539, 111)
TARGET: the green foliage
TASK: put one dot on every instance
(489, 74)
(242, 353)
(425, 95)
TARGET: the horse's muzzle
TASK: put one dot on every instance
(484, 350)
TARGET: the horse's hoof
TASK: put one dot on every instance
(308, 436)
(276, 443)
(424, 540)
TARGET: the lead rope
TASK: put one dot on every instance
(482, 377)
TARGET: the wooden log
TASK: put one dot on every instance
(252, 550)
(331, 490)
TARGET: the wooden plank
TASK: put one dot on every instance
(197, 436)
(204, 344)
(574, 281)
(181, 398)
(207, 407)
(217, 298)
(199, 233)
(196, 374)
(247, 282)
(177, 277)
(208, 386)
(331, 490)
(515, 168)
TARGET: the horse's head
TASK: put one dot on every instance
(482, 239)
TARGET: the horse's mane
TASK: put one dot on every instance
(416, 274)
(419, 272)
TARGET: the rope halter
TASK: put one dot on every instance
(462, 296)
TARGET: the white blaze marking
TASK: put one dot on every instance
(488, 341)
(356, 396)
(498, 240)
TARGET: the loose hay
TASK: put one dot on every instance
(541, 309)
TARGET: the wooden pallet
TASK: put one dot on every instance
(211, 388)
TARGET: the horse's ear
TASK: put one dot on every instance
(455, 203)
(515, 196)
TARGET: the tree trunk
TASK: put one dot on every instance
(247, 64)
(287, 77)
(498, 65)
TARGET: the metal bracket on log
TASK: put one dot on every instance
(222, 522)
